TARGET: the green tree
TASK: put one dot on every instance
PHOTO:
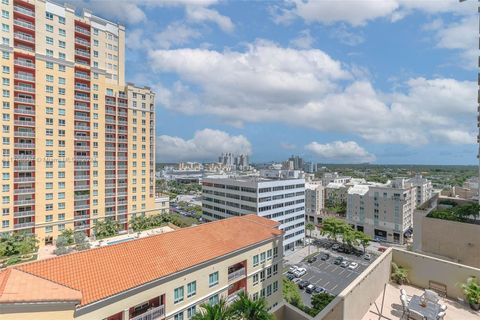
(364, 239)
(61, 245)
(27, 244)
(291, 294)
(246, 308)
(68, 235)
(106, 228)
(81, 242)
(320, 301)
(333, 227)
(217, 311)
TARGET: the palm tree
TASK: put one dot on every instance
(310, 227)
(246, 308)
(217, 311)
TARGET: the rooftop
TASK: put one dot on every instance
(103, 272)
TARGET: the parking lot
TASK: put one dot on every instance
(330, 276)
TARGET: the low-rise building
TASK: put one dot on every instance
(166, 276)
(162, 204)
(383, 211)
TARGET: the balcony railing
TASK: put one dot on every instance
(24, 168)
(24, 24)
(152, 314)
(24, 145)
(81, 217)
(233, 296)
(20, 214)
(82, 206)
(24, 123)
(82, 138)
(240, 273)
(79, 127)
(81, 118)
(82, 53)
(24, 11)
(82, 227)
(81, 187)
(82, 196)
(82, 177)
(30, 112)
(81, 107)
(24, 191)
(24, 225)
(24, 100)
(82, 42)
(82, 31)
(24, 179)
(26, 77)
(23, 36)
(24, 202)
(83, 88)
(82, 75)
(25, 89)
(24, 157)
(82, 98)
(24, 63)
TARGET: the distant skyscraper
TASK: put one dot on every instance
(238, 162)
(297, 162)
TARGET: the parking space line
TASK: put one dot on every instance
(336, 286)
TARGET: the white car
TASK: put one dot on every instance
(353, 266)
(299, 272)
(293, 269)
(296, 280)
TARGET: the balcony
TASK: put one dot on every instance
(82, 75)
(233, 296)
(82, 206)
(82, 53)
(24, 191)
(82, 98)
(24, 202)
(151, 314)
(24, 145)
(82, 107)
(237, 274)
(24, 63)
(25, 89)
(82, 187)
(23, 134)
(81, 217)
(82, 42)
(82, 30)
(24, 37)
(24, 157)
(24, 76)
(24, 168)
(82, 167)
(26, 111)
(24, 225)
(24, 100)
(24, 123)
(82, 177)
(24, 11)
(82, 118)
(20, 214)
(82, 88)
(82, 138)
(24, 24)
(110, 103)
(82, 196)
(82, 128)
(82, 227)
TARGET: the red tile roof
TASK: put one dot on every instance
(106, 271)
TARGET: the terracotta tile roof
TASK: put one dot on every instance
(17, 286)
(263, 221)
(102, 272)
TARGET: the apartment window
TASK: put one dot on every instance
(49, 218)
(49, 40)
(49, 65)
(5, 55)
(61, 80)
(5, 224)
(49, 15)
(61, 67)
(5, 27)
(178, 316)
(269, 290)
(49, 28)
(191, 312)
(178, 295)
(255, 260)
(49, 78)
(61, 20)
(275, 252)
(191, 289)
(213, 279)
(255, 279)
(262, 275)
(5, 14)
(61, 227)
(262, 257)
(213, 299)
(61, 55)
(62, 32)
(275, 269)
(62, 44)
(61, 216)
(275, 286)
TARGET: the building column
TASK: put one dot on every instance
(126, 314)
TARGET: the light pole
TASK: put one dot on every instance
(478, 109)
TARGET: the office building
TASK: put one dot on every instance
(78, 142)
(166, 276)
(282, 200)
(383, 211)
(297, 162)
(236, 162)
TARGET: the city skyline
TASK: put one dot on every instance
(411, 102)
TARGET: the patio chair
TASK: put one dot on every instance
(431, 296)
(415, 315)
(404, 293)
(443, 307)
(405, 309)
(441, 315)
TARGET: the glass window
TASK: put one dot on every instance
(178, 295)
(191, 289)
(213, 279)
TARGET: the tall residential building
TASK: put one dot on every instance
(298, 162)
(314, 202)
(383, 211)
(282, 200)
(239, 162)
(166, 276)
(78, 142)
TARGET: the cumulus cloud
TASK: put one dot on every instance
(348, 151)
(308, 88)
(206, 144)
(453, 136)
(304, 40)
(360, 12)
(201, 14)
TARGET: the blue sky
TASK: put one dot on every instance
(387, 81)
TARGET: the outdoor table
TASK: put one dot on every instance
(430, 311)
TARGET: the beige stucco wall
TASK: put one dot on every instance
(422, 269)
(49, 311)
(451, 239)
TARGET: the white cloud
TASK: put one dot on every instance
(342, 34)
(360, 12)
(348, 151)
(307, 88)
(453, 136)
(201, 14)
(206, 144)
(304, 40)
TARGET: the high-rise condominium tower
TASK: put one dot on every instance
(77, 141)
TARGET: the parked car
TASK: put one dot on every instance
(353, 266)
(312, 259)
(299, 272)
(290, 276)
(296, 280)
(310, 288)
(367, 257)
(293, 269)
(325, 257)
(303, 284)
(335, 246)
(338, 260)
(344, 264)
(320, 290)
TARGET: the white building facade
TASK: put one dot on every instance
(281, 200)
(385, 212)
(314, 201)
(424, 188)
